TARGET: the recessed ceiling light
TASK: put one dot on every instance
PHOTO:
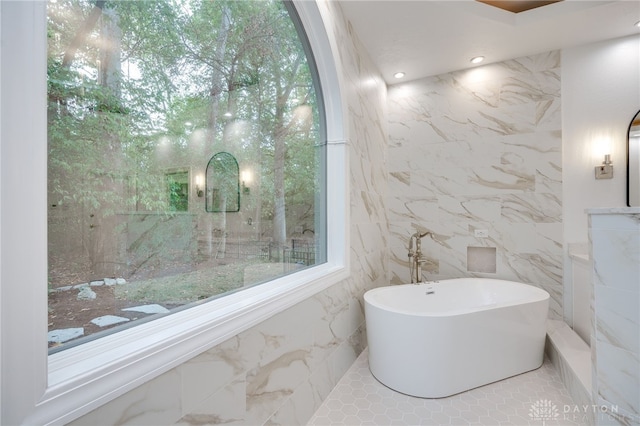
(477, 59)
(399, 75)
(637, 24)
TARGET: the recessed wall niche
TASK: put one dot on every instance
(481, 259)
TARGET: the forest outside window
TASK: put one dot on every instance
(141, 95)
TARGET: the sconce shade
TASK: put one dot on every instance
(605, 171)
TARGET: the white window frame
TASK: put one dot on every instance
(38, 388)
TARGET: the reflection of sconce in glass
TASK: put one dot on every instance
(198, 183)
(246, 180)
(605, 170)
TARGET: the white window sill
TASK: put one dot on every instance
(85, 377)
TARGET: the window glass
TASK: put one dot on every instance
(142, 95)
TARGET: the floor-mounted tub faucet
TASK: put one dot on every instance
(415, 256)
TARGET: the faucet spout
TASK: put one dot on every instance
(416, 256)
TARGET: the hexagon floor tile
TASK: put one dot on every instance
(534, 398)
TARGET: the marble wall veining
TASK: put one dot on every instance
(480, 149)
(279, 371)
(614, 236)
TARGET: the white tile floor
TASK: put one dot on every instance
(534, 398)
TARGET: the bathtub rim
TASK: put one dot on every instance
(535, 294)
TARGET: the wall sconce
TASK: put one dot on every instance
(198, 183)
(246, 180)
(605, 170)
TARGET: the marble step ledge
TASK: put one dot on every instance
(571, 356)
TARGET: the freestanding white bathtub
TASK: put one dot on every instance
(436, 339)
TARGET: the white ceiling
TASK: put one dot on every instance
(428, 37)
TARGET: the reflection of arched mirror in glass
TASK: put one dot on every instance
(222, 184)
(633, 162)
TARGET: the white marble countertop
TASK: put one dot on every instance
(613, 210)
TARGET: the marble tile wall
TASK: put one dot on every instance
(480, 149)
(279, 371)
(614, 236)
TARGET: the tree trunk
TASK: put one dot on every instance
(109, 72)
(280, 151)
(81, 36)
(279, 216)
(103, 247)
(217, 85)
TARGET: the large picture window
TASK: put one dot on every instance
(58, 384)
(142, 95)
